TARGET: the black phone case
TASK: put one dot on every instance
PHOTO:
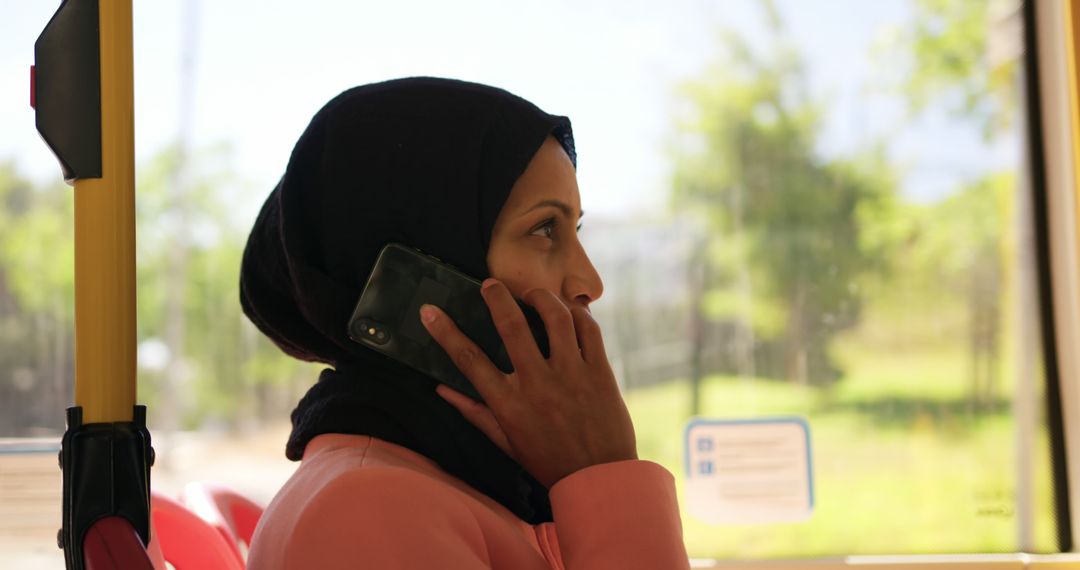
(387, 316)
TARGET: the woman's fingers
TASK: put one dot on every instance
(478, 415)
(568, 415)
(511, 324)
(557, 321)
(589, 337)
(473, 363)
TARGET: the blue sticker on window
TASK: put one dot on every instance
(749, 471)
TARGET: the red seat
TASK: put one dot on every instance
(111, 544)
(187, 541)
(234, 515)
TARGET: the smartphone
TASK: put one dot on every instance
(387, 315)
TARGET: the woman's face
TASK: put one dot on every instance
(534, 242)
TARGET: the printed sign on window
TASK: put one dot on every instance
(749, 471)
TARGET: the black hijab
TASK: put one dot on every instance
(422, 161)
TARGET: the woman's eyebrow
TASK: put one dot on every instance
(562, 206)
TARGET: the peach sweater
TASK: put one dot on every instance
(360, 502)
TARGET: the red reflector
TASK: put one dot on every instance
(33, 88)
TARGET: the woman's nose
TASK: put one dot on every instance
(582, 284)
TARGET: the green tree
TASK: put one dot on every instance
(230, 374)
(963, 57)
(225, 371)
(787, 220)
(36, 304)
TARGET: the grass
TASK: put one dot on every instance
(934, 477)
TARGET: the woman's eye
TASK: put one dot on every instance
(545, 230)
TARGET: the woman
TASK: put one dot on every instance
(396, 471)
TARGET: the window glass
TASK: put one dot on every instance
(808, 210)
(841, 245)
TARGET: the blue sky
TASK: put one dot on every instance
(262, 70)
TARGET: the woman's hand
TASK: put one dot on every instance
(555, 415)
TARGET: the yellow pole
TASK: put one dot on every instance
(1072, 71)
(1072, 55)
(105, 239)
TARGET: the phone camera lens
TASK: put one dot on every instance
(364, 330)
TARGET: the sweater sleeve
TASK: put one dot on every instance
(621, 515)
(367, 519)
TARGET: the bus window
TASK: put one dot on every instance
(806, 212)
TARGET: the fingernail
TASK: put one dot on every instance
(488, 283)
(427, 314)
